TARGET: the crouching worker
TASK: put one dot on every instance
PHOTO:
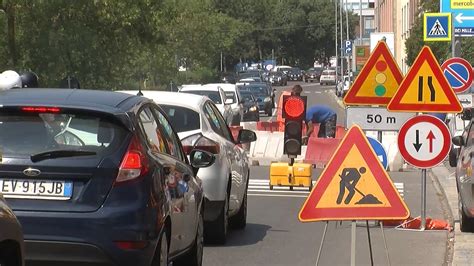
(326, 118)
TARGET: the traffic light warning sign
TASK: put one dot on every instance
(425, 88)
(377, 81)
(354, 186)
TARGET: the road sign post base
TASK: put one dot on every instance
(402, 228)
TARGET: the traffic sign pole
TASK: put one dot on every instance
(453, 38)
(431, 146)
(423, 199)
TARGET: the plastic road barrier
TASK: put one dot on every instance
(298, 175)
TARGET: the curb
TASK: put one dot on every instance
(460, 245)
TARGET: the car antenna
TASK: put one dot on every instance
(140, 93)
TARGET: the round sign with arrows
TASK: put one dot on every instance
(424, 141)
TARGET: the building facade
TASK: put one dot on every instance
(397, 16)
(368, 18)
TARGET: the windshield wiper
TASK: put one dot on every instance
(59, 154)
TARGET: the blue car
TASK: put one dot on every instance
(11, 237)
(99, 177)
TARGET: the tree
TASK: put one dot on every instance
(415, 42)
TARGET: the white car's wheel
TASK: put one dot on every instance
(216, 231)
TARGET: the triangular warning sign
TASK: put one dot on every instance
(437, 29)
(425, 88)
(377, 81)
(354, 186)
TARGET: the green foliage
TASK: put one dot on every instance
(126, 44)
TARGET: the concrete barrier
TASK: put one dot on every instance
(249, 125)
(268, 147)
(395, 159)
(389, 142)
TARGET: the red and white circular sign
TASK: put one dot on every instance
(458, 72)
(424, 141)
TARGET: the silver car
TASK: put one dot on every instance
(465, 176)
(235, 100)
(216, 94)
(11, 237)
(200, 124)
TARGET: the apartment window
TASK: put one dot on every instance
(369, 23)
(371, 5)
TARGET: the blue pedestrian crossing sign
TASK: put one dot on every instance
(437, 27)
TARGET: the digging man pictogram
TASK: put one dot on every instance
(349, 179)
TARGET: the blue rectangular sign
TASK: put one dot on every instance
(463, 15)
(437, 27)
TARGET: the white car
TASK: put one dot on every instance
(200, 125)
(457, 126)
(328, 77)
(216, 94)
(235, 101)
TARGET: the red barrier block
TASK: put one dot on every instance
(320, 150)
(280, 106)
(273, 126)
(340, 132)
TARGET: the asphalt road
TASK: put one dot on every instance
(274, 236)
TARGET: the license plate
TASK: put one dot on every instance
(36, 189)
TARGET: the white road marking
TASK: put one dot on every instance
(286, 196)
(261, 187)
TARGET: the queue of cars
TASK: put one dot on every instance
(105, 177)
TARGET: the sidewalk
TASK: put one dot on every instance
(463, 253)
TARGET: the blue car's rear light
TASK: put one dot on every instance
(134, 163)
(131, 245)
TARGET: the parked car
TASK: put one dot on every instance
(457, 126)
(313, 74)
(99, 177)
(295, 74)
(200, 124)
(216, 94)
(328, 77)
(251, 111)
(277, 78)
(263, 93)
(12, 248)
(234, 99)
(465, 176)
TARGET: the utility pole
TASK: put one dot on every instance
(340, 29)
(347, 36)
(222, 67)
(360, 22)
(335, 15)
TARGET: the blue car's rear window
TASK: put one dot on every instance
(26, 133)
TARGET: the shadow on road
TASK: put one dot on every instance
(252, 234)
